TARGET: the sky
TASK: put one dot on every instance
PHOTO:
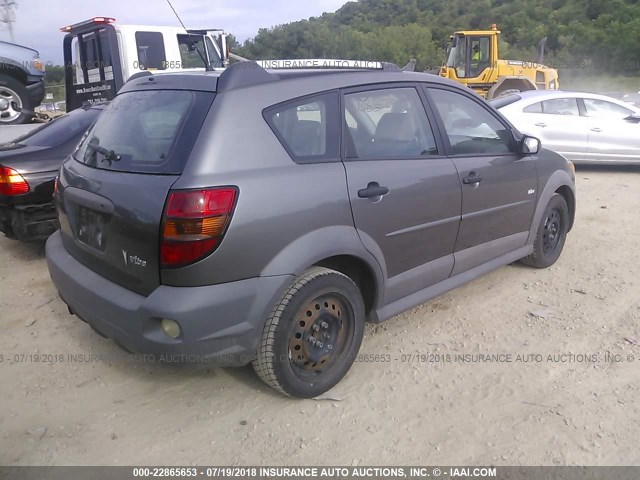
(38, 22)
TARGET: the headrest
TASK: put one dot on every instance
(395, 127)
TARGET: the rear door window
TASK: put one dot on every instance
(146, 131)
(561, 106)
(151, 54)
(387, 123)
(535, 108)
(308, 128)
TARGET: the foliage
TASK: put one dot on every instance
(601, 36)
(54, 75)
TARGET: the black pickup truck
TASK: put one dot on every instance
(28, 169)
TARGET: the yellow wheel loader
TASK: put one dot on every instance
(473, 60)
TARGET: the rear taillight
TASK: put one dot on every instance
(12, 183)
(194, 223)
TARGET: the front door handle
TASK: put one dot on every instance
(373, 190)
(596, 129)
(472, 179)
(541, 124)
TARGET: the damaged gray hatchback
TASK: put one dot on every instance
(263, 216)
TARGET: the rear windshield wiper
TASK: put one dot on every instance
(109, 155)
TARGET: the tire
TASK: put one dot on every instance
(14, 97)
(551, 234)
(323, 305)
(504, 93)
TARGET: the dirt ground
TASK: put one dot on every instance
(563, 388)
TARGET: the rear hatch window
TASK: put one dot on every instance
(146, 132)
(111, 198)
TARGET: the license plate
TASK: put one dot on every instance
(92, 228)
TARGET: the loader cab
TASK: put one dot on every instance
(472, 56)
(100, 55)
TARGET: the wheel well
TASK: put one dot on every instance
(520, 84)
(15, 72)
(358, 271)
(567, 194)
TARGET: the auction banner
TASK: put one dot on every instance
(313, 472)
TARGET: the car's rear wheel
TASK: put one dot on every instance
(551, 234)
(313, 334)
(14, 97)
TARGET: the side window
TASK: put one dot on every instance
(561, 106)
(90, 51)
(603, 109)
(104, 46)
(151, 54)
(471, 128)
(214, 58)
(88, 54)
(479, 55)
(387, 123)
(192, 51)
(308, 128)
(535, 108)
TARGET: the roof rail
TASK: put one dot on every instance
(135, 76)
(92, 22)
(244, 74)
(327, 63)
(247, 73)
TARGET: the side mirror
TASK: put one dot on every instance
(633, 118)
(529, 145)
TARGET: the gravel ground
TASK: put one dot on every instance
(561, 387)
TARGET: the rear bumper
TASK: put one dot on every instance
(221, 324)
(29, 222)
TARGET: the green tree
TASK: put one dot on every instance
(604, 35)
(54, 75)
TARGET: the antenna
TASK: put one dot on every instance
(8, 15)
(175, 13)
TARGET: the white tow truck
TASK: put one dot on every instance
(101, 55)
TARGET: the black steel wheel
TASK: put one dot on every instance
(552, 227)
(551, 234)
(312, 336)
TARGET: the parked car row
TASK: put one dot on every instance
(605, 130)
(262, 216)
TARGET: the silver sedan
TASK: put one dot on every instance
(583, 127)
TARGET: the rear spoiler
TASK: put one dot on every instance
(88, 25)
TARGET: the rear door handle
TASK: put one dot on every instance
(373, 190)
(596, 129)
(472, 179)
(541, 124)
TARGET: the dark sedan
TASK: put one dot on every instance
(28, 168)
